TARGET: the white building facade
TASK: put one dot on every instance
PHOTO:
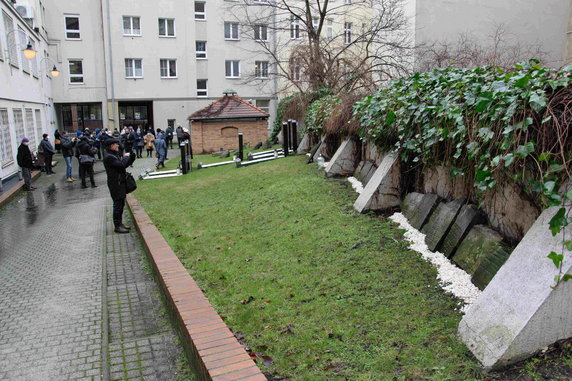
(26, 104)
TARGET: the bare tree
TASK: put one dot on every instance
(500, 49)
(344, 45)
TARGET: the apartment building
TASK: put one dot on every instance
(26, 104)
(149, 63)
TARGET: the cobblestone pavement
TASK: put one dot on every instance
(76, 300)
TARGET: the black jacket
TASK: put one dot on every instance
(67, 146)
(47, 147)
(115, 165)
(24, 157)
(85, 147)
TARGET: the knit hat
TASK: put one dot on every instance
(109, 142)
(25, 140)
(79, 133)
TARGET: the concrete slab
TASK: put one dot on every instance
(467, 218)
(383, 189)
(345, 159)
(440, 223)
(367, 172)
(519, 312)
(320, 150)
(417, 207)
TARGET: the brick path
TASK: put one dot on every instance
(76, 300)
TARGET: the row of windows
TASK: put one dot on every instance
(27, 122)
(17, 40)
(132, 27)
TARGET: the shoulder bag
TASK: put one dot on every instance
(130, 184)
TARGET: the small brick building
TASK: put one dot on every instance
(217, 125)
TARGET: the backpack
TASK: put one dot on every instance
(40, 148)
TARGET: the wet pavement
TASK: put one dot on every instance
(76, 300)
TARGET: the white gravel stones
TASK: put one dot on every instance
(451, 277)
(356, 184)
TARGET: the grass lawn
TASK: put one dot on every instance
(323, 291)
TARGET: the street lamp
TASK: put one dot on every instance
(29, 52)
(55, 72)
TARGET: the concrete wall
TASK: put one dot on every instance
(527, 22)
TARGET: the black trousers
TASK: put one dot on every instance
(48, 163)
(86, 170)
(118, 206)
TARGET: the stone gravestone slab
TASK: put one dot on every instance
(417, 207)
(367, 171)
(481, 254)
(313, 152)
(357, 172)
(344, 161)
(440, 223)
(383, 189)
(520, 311)
(467, 218)
(304, 146)
(321, 150)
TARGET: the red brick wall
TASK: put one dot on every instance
(210, 137)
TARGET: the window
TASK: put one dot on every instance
(166, 27)
(231, 31)
(263, 104)
(261, 32)
(30, 128)
(261, 69)
(295, 70)
(6, 154)
(11, 40)
(19, 124)
(202, 88)
(201, 49)
(348, 1)
(329, 29)
(23, 43)
(38, 117)
(168, 68)
(72, 27)
(348, 33)
(131, 26)
(133, 68)
(34, 62)
(200, 12)
(315, 23)
(294, 28)
(76, 71)
(232, 69)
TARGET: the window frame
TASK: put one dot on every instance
(295, 28)
(198, 52)
(131, 18)
(6, 151)
(348, 33)
(205, 89)
(133, 68)
(261, 68)
(200, 16)
(166, 20)
(169, 60)
(230, 24)
(232, 69)
(262, 31)
(82, 75)
(78, 31)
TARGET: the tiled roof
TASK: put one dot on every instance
(228, 107)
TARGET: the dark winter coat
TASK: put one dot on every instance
(115, 165)
(24, 157)
(47, 147)
(67, 146)
(85, 147)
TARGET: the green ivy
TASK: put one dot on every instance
(280, 115)
(481, 122)
(318, 112)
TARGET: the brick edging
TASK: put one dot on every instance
(213, 347)
(10, 193)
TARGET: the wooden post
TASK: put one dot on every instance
(240, 146)
(285, 133)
